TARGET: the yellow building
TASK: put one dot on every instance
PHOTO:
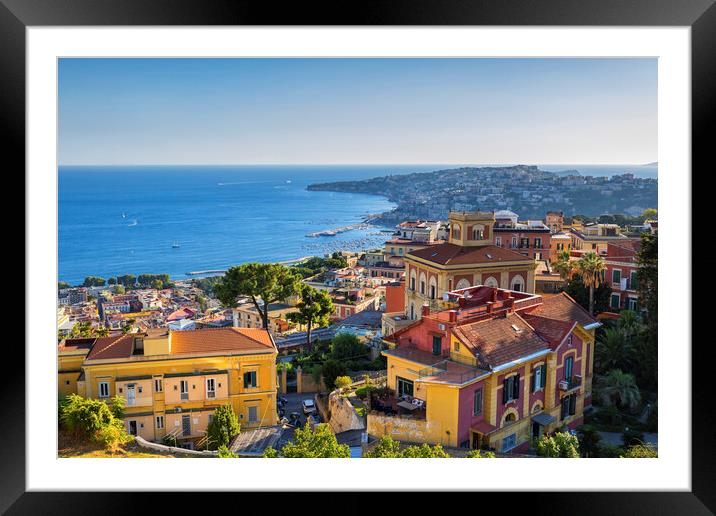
(173, 381)
(468, 258)
(595, 237)
(497, 370)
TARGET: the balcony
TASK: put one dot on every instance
(405, 406)
(571, 383)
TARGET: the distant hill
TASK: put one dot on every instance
(525, 189)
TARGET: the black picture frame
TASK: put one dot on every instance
(700, 15)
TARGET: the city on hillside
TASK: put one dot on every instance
(542, 327)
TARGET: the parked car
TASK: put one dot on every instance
(282, 400)
(309, 407)
(315, 417)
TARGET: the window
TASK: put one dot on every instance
(412, 283)
(456, 232)
(478, 234)
(210, 388)
(569, 406)
(400, 250)
(432, 291)
(160, 422)
(437, 345)
(539, 378)
(422, 287)
(524, 243)
(253, 414)
(568, 366)
(405, 387)
(477, 403)
(456, 347)
(615, 301)
(498, 241)
(514, 242)
(616, 276)
(633, 280)
(157, 385)
(210, 418)
(250, 380)
(511, 388)
(184, 389)
(538, 243)
(509, 442)
(103, 389)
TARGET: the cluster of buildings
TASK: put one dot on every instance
(479, 353)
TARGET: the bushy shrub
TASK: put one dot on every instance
(640, 452)
(225, 453)
(364, 391)
(632, 437)
(95, 420)
(561, 444)
(609, 451)
(479, 454)
(343, 382)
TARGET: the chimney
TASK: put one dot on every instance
(493, 295)
(425, 310)
(235, 313)
(452, 314)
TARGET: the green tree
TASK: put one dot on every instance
(157, 284)
(270, 453)
(649, 214)
(119, 289)
(613, 350)
(94, 420)
(386, 448)
(589, 440)
(619, 389)
(341, 382)
(478, 454)
(314, 309)
(268, 282)
(580, 293)
(647, 286)
(425, 451)
(223, 427)
(62, 285)
(332, 369)
(112, 281)
(561, 444)
(93, 281)
(591, 268)
(564, 266)
(317, 443)
(346, 346)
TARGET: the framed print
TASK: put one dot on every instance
(361, 241)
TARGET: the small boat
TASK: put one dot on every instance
(175, 244)
(134, 223)
(288, 181)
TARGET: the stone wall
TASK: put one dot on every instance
(142, 443)
(343, 414)
(400, 428)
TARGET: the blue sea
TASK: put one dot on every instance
(125, 219)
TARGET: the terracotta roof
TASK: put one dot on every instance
(452, 254)
(70, 345)
(563, 308)
(209, 340)
(182, 313)
(112, 347)
(205, 340)
(551, 330)
(500, 340)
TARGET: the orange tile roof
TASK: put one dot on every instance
(452, 254)
(205, 340)
(70, 345)
(210, 340)
(563, 308)
(551, 330)
(495, 341)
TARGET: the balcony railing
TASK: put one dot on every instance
(570, 383)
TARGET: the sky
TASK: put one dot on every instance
(357, 111)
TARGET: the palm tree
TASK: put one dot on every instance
(613, 349)
(591, 268)
(564, 266)
(619, 388)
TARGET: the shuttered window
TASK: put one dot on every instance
(511, 388)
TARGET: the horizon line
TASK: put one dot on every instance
(655, 162)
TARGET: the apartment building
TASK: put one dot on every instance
(173, 381)
(493, 370)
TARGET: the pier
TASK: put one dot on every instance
(334, 232)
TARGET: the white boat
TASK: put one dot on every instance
(175, 244)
